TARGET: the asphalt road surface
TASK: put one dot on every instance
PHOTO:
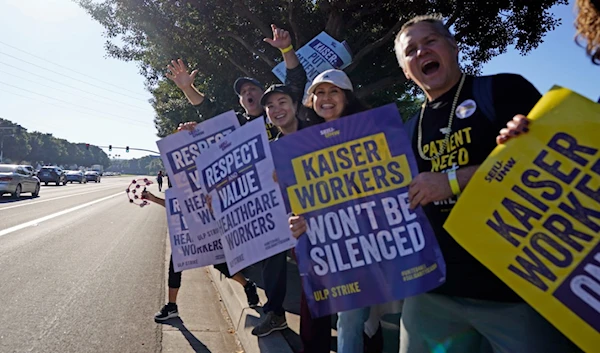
(81, 270)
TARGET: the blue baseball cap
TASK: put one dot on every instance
(237, 86)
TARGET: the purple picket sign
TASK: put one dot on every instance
(349, 179)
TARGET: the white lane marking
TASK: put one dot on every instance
(56, 198)
(54, 215)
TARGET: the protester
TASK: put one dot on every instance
(248, 89)
(331, 96)
(473, 310)
(159, 179)
(170, 309)
(274, 269)
(290, 117)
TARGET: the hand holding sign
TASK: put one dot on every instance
(136, 194)
(297, 226)
(187, 126)
(518, 125)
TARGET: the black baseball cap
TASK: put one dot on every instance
(237, 86)
(277, 88)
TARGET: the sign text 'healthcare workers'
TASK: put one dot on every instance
(247, 203)
(178, 152)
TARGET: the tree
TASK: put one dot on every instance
(223, 39)
(36, 147)
(16, 140)
(148, 165)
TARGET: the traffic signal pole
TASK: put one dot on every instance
(128, 148)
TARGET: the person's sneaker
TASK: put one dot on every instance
(271, 323)
(251, 295)
(169, 311)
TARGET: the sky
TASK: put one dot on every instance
(55, 75)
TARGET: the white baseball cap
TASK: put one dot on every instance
(333, 76)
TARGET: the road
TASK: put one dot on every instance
(82, 270)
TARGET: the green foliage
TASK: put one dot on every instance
(148, 165)
(36, 147)
(223, 39)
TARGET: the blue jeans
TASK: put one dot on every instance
(440, 323)
(350, 329)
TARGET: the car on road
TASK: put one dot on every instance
(30, 169)
(15, 179)
(92, 175)
(76, 176)
(52, 174)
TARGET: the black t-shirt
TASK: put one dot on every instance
(473, 137)
(272, 130)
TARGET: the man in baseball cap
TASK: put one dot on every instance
(249, 91)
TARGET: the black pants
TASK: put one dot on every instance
(159, 185)
(274, 273)
(175, 277)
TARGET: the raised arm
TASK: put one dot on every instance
(179, 74)
(283, 41)
(295, 76)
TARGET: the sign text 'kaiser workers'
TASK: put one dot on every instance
(178, 152)
(349, 179)
(538, 225)
(237, 173)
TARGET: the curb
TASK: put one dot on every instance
(245, 319)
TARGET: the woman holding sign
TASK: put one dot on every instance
(331, 96)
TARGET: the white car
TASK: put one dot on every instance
(15, 179)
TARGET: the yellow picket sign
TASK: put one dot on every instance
(531, 214)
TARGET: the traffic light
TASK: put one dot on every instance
(109, 148)
(87, 146)
(127, 149)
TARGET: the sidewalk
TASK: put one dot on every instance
(287, 341)
(203, 325)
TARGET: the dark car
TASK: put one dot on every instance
(92, 175)
(15, 179)
(76, 176)
(52, 175)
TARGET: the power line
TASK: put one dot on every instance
(66, 85)
(68, 103)
(77, 110)
(75, 95)
(72, 78)
(65, 67)
(27, 119)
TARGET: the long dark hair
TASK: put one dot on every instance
(353, 104)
